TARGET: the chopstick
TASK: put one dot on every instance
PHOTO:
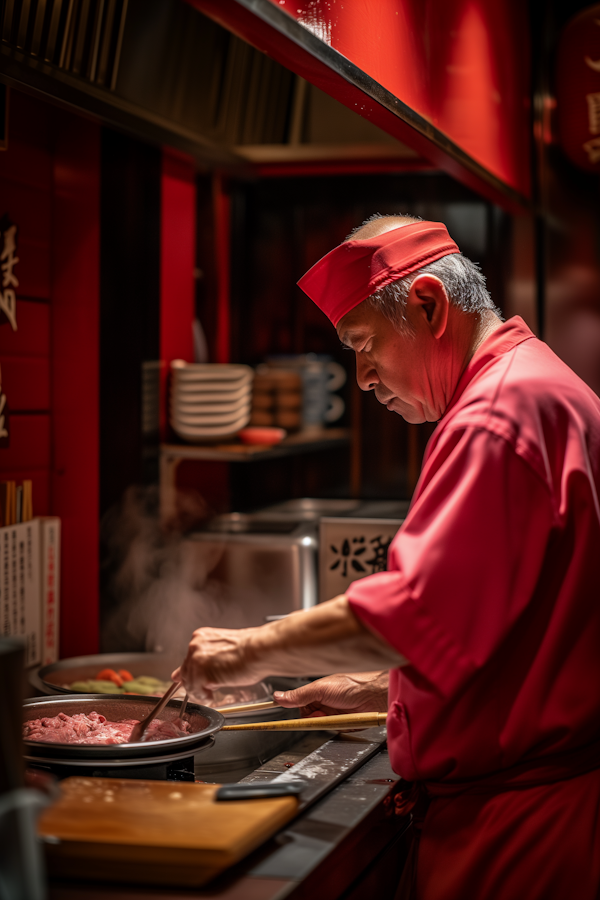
(183, 706)
(139, 730)
(247, 707)
(317, 723)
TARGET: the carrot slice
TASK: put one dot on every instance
(110, 675)
(125, 675)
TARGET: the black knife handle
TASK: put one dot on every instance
(258, 791)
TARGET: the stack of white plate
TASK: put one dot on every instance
(209, 401)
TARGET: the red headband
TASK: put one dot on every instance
(356, 269)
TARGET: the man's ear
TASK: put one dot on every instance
(428, 302)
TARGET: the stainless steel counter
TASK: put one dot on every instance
(345, 842)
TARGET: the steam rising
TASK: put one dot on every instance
(158, 587)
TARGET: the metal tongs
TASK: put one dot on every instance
(140, 729)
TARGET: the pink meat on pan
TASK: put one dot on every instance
(95, 729)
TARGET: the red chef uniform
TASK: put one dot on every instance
(493, 595)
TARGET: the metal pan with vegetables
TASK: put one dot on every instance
(143, 674)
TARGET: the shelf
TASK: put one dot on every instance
(302, 442)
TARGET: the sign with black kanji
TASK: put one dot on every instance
(351, 548)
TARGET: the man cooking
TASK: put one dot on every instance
(488, 618)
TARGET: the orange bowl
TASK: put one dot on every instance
(262, 435)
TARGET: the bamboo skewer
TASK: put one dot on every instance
(318, 723)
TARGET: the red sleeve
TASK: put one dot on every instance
(464, 565)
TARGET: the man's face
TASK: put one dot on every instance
(400, 368)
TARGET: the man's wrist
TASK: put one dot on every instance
(258, 650)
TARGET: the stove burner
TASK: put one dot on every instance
(158, 770)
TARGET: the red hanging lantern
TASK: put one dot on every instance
(578, 89)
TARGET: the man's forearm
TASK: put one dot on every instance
(327, 638)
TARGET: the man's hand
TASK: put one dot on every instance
(216, 657)
(360, 692)
(326, 638)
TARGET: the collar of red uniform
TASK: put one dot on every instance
(500, 341)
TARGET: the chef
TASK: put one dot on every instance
(488, 618)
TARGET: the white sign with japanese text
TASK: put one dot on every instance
(351, 548)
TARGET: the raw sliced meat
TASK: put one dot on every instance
(95, 729)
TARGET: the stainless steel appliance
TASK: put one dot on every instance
(308, 509)
(311, 509)
(353, 535)
(269, 561)
(266, 566)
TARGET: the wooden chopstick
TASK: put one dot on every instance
(247, 707)
(139, 730)
(317, 723)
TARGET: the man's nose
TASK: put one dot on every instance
(366, 376)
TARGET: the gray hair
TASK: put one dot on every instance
(464, 282)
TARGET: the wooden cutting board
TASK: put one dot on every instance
(153, 832)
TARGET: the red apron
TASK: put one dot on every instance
(531, 832)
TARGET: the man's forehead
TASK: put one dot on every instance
(354, 324)
(349, 336)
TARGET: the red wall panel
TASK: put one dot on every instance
(178, 243)
(28, 159)
(32, 337)
(177, 263)
(29, 208)
(49, 185)
(75, 382)
(222, 213)
(29, 444)
(26, 380)
(25, 194)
